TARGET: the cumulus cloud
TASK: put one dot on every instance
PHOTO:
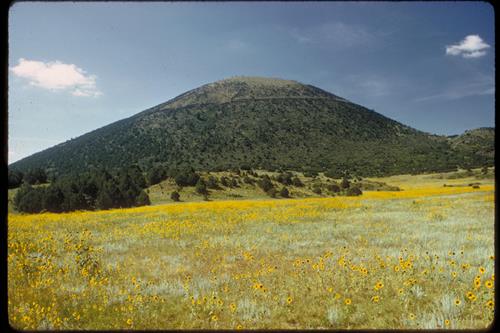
(57, 76)
(472, 46)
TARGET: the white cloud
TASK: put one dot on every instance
(472, 46)
(57, 76)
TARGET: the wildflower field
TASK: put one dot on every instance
(419, 258)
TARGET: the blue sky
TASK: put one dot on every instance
(77, 67)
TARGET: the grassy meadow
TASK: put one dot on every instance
(422, 257)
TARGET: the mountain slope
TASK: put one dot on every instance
(260, 123)
(478, 142)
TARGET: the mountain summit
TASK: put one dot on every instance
(261, 123)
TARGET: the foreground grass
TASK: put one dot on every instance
(420, 258)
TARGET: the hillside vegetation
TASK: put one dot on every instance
(101, 190)
(267, 124)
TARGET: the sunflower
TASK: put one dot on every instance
(488, 284)
(477, 282)
(375, 299)
(490, 303)
(289, 300)
(482, 270)
(471, 296)
(379, 285)
(458, 302)
(347, 301)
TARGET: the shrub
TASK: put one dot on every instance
(297, 182)
(345, 183)
(224, 181)
(213, 183)
(187, 178)
(252, 173)
(272, 192)
(248, 180)
(317, 189)
(284, 193)
(354, 191)
(175, 196)
(285, 178)
(333, 188)
(234, 182)
(201, 187)
(265, 184)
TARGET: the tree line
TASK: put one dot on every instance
(100, 189)
(31, 177)
(96, 189)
